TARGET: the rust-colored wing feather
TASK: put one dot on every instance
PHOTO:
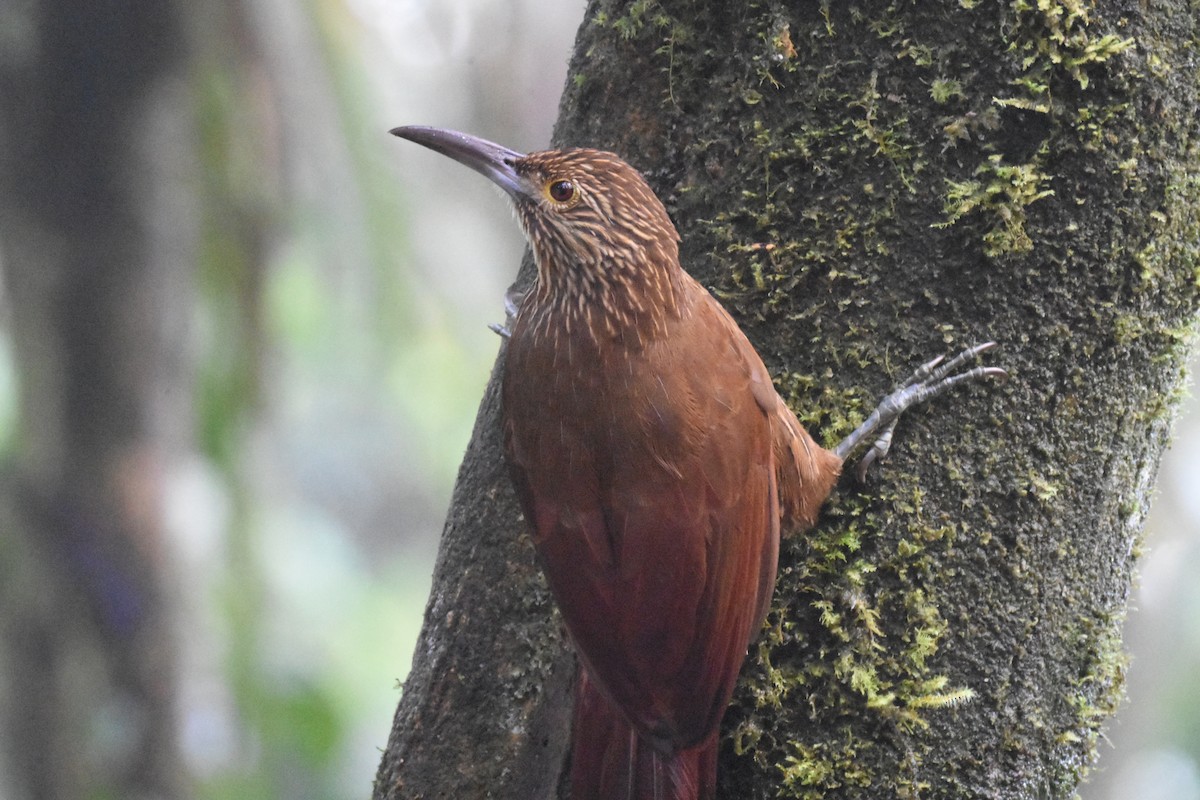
(806, 472)
(654, 507)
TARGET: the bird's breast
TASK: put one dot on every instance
(604, 406)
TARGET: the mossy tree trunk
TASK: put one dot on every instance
(865, 186)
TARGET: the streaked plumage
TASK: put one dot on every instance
(654, 461)
(644, 438)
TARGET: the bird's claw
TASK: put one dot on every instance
(512, 304)
(927, 382)
(878, 449)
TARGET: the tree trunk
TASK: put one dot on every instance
(95, 239)
(866, 186)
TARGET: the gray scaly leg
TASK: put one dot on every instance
(929, 381)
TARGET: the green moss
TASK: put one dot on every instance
(1043, 489)
(1091, 699)
(878, 630)
(1053, 38)
(810, 772)
(1178, 229)
(638, 16)
(837, 174)
(1000, 192)
(943, 90)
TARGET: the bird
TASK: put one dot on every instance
(654, 461)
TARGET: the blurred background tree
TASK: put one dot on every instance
(238, 366)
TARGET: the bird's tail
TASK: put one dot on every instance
(609, 761)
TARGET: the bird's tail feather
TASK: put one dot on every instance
(609, 761)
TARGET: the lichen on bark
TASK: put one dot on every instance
(866, 185)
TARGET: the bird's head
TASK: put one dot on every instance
(592, 220)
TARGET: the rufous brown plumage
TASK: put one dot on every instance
(654, 460)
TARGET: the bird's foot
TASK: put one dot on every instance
(929, 381)
(512, 303)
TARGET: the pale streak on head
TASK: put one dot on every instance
(607, 261)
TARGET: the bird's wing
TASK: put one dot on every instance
(805, 471)
(652, 499)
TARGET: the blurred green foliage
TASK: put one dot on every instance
(323, 363)
(334, 391)
(8, 398)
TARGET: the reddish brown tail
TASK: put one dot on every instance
(609, 761)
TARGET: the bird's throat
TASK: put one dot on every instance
(611, 301)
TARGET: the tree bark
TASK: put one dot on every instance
(866, 186)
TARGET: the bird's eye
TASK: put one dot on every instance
(561, 191)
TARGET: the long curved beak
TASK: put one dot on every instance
(496, 163)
